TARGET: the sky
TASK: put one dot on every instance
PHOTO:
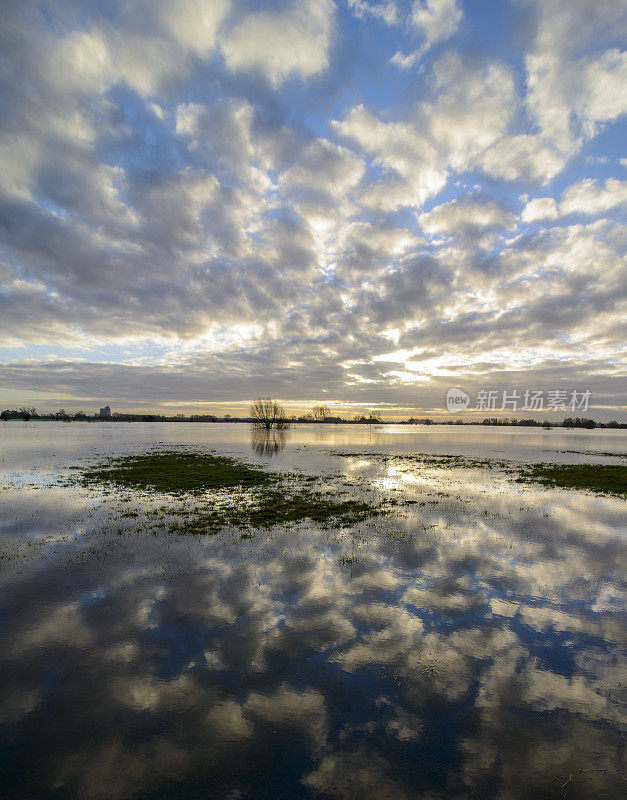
(361, 204)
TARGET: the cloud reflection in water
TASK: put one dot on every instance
(467, 647)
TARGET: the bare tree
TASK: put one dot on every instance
(320, 413)
(268, 413)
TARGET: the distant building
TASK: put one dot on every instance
(105, 413)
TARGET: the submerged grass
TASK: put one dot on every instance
(428, 459)
(600, 478)
(213, 492)
(175, 472)
(228, 492)
(264, 509)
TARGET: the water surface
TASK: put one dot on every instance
(471, 644)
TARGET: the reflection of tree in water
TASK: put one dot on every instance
(267, 442)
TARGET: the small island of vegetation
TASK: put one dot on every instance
(228, 492)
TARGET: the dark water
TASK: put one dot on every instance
(469, 647)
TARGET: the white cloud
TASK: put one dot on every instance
(390, 193)
(222, 131)
(435, 20)
(539, 208)
(303, 712)
(146, 44)
(387, 11)
(18, 160)
(473, 108)
(591, 197)
(603, 92)
(402, 150)
(324, 167)
(465, 216)
(432, 21)
(205, 216)
(405, 61)
(574, 86)
(281, 44)
(106, 56)
(469, 113)
(525, 156)
(194, 24)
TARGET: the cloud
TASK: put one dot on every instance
(539, 208)
(574, 71)
(432, 21)
(466, 217)
(588, 197)
(411, 161)
(387, 11)
(323, 168)
(303, 712)
(435, 20)
(472, 110)
(523, 157)
(282, 44)
(450, 132)
(194, 24)
(245, 190)
(145, 45)
(591, 197)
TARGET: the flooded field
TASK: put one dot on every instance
(456, 633)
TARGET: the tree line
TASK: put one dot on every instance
(267, 413)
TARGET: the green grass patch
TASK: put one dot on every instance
(176, 472)
(226, 492)
(600, 478)
(264, 509)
